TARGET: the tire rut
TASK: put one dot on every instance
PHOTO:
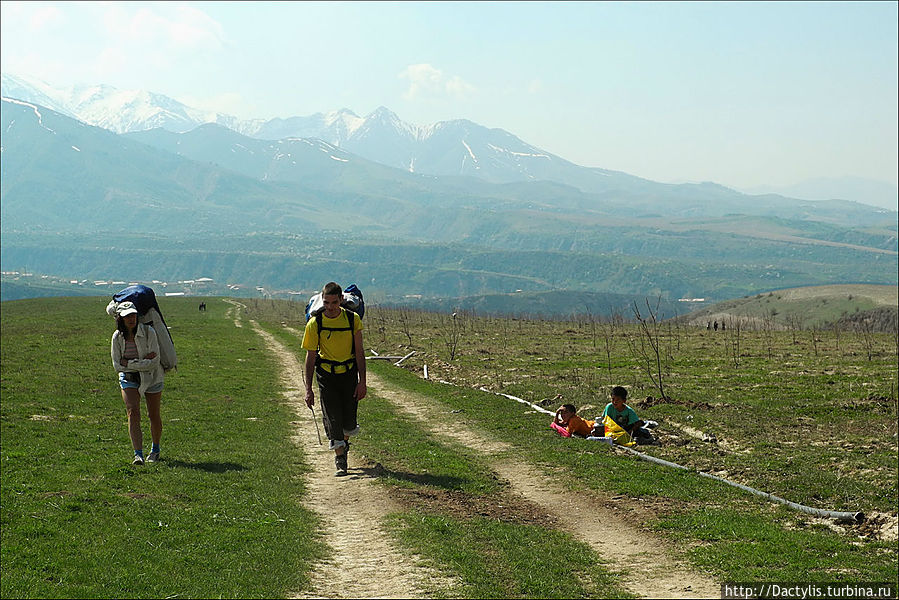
(647, 561)
(366, 564)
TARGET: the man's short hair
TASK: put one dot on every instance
(332, 289)
(620, 392)
(569, 407)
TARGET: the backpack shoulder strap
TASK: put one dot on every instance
(349, 317)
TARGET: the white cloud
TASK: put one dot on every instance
(178, 27)
(195, 28)
(44, 16)
(428, 81)
(149, 39)
(535, 86)
(111, 60)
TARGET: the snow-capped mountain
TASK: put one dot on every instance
(34, 91)
(458, 147)
(333, 127)
(104, 106)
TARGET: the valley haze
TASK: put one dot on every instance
(454, 209)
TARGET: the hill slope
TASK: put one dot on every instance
(804, 307)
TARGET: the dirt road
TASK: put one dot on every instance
(376, 569)
(352, 508)
(651, 569)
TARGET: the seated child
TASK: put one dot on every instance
(626, 418)
(566, 422)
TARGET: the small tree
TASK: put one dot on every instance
(865, 327)
(648, 347)
(451, 332)
(732, 339)
(403, 319)
(608, 330)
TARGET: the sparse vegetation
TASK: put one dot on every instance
(813, 420)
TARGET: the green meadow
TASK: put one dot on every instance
(213, 519)
(807, 415)
(810, 417)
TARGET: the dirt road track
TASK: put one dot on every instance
(376, 569)
(352, 507)
(652, 571)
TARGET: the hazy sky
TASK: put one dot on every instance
(742, 94)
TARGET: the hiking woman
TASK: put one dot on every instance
(135, 355)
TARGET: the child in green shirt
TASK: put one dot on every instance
(627, 418)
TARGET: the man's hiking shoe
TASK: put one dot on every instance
(154, 457)
(138, 460)
(340, 463)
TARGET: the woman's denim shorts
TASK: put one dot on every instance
(133, 385)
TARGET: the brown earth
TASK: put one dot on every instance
(351, 508)
(375, 568)
(650, 567)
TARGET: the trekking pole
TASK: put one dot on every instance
(315, 420)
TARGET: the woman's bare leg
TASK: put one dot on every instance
(154, 401)
(132, 407)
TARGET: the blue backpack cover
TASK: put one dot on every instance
(143, 298)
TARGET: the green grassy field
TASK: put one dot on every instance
(812, 419)
(810, 416)
(512, 552)
(80, 522)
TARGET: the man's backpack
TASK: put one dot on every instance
(148, 312)
(352, 299)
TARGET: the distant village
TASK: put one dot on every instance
(183, 287)
(201, 286)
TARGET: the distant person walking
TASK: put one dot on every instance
(335, 353)
(135, 355)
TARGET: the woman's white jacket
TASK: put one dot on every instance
(150, 369)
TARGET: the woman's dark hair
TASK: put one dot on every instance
(620, 392)
(569, 407)
(120, 325)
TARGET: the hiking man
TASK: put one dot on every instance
(334, 352)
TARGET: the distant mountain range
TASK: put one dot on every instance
(83, 201)
(458, 147)
(859, 189)
(447, 148)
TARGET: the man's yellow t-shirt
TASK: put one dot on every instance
(334, 345)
